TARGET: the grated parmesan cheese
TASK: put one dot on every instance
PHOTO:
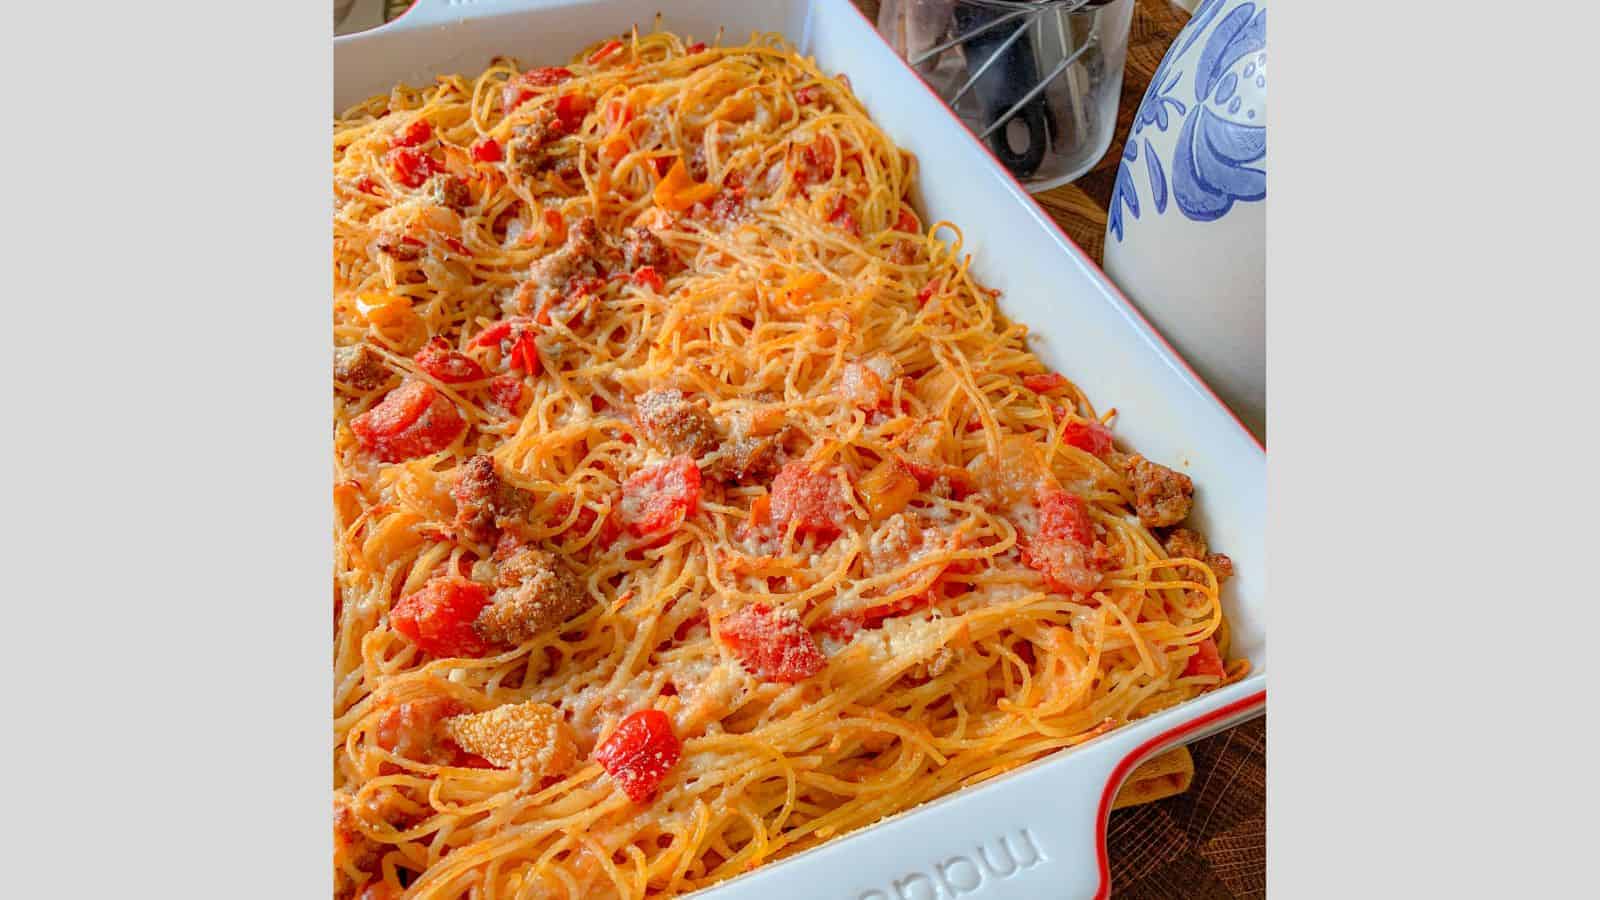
(905, 640)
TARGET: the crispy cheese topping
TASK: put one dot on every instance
(530, 736)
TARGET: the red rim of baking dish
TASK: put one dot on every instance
(1138, 755)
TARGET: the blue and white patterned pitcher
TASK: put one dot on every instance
(1186, 231)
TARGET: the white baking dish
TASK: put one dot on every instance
(1037, 832)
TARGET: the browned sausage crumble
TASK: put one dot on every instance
(537, 593)
(1161, 496)
(485, 501)
(676, 423)
(359, 367)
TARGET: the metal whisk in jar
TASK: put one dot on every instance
(1038, 82)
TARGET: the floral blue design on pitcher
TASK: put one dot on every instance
(1219, 137)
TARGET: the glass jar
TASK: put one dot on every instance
(1037, 82)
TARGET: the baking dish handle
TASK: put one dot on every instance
(1003, 842)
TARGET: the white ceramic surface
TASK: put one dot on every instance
(1186, 233)
(1036, 833)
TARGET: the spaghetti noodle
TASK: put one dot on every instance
(694, 503)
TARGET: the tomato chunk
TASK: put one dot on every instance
(547, 76)
(1044, 383)
(841, 216)
(413, 420)
(1063, 516)
(487, 150)
(411, 729)
(521, 87)
(808, 94)
(960, 480)
(813, 502)
(449, 366)
(555, 225)
(865, 388)
(772, 643)
(906, 221)
(1060, 549)
(495, 333)
(658, 499)
(400, 409)
(640, 753)
(648, 276)
(1090, 437)
(412, 167)
(570, 109)
(438, 617)
(1064, 565)
(514, 93)
(516, 337)
(417, 132)
(525, 354)
(1206, 661)
(819, 157)
(506, 391)
(842, 627)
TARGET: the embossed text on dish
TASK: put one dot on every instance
(965, 873)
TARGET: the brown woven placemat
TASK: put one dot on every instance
(1208, 843)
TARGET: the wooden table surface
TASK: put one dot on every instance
(1208, 843)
